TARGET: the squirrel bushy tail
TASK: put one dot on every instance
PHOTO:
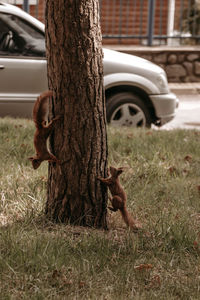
(128, 218)
(40, 109)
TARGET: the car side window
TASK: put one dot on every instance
(4, 35)
(18, 37)
(29, 29)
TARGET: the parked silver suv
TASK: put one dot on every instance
(137, 92)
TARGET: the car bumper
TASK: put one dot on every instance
(165, 107)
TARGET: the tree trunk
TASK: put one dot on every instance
(75, 74)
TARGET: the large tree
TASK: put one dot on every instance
(75, 74)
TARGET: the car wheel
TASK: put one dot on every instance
(127, 109)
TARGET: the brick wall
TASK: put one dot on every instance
(37, 11)
(182, 9)
(124, 18)
(131, 18)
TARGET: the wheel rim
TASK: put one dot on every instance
(128, 114)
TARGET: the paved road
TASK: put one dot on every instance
(188, 113)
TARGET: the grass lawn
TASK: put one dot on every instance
(41, 260)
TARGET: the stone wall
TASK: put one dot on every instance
(182, 64)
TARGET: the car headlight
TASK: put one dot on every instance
(162, 83)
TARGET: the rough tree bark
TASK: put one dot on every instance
(75, 73)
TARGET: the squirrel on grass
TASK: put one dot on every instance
(119, 197)
(40, 112)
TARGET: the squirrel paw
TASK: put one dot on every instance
(112, 208)
(59, 117)
(57, 161)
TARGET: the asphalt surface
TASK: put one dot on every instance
(188, 113)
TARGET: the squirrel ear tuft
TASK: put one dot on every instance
(119, 172)
(36, 163)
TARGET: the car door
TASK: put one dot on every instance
(22, 67)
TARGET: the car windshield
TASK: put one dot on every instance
(19, 37)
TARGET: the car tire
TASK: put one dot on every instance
(127, 109)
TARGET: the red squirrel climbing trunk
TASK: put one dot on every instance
(119, 197)
(40, 114)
